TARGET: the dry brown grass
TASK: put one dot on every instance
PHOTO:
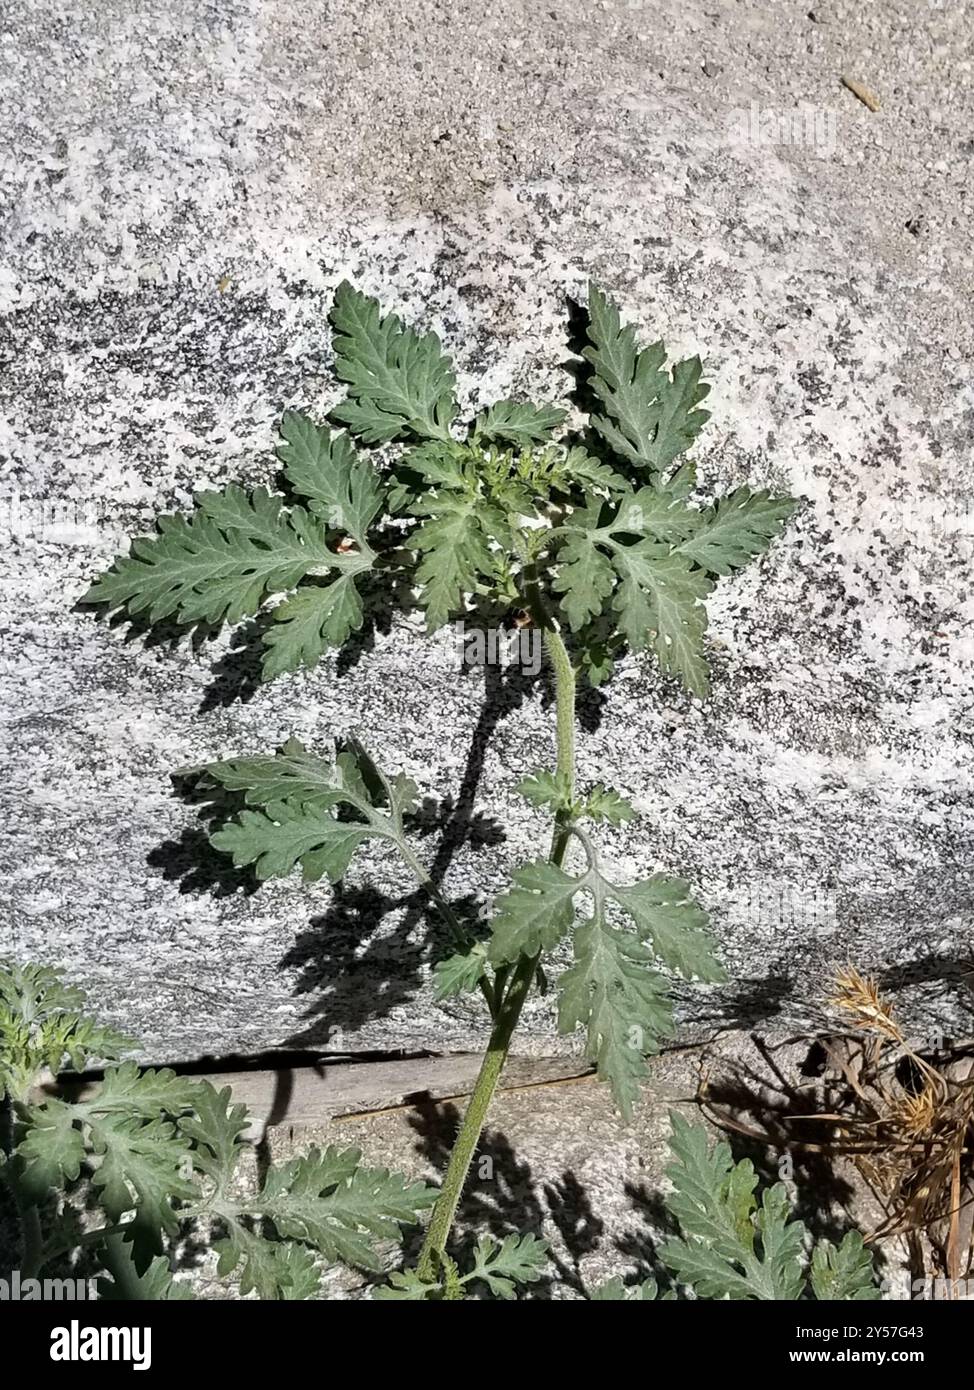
(904, 1116)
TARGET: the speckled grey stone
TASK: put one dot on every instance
(182, 187)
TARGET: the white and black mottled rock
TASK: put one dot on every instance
(183, 187)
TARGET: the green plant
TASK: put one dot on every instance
(597, 538)
(733, 1246)
(155, 1154)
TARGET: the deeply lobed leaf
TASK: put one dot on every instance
(614, 989)
(297, 793)
(453, 544)
(215, 1126)
(311, 621)
(292, 774)
(534, 914)
(326, 1200)
(460, 973)
(276, 839)
(400, 382)
(41, 1025)
(511, 422)
(52, 1150)
(731, 1245)
(341, 487)
(614, 992)
(729, 534)
(516, 1260)
(604, 804)
(844, 1272)
(665, 912)
(651, 415)
(219, 564)
(656, 593)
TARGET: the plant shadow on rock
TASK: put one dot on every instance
(236, 674)
(748, 1002)
(507, 1200)
(359, 984)
(368, 984)
(956, 975)
(577, 367)
(190, 860)
(763, 1111)
(137, 629)
(641, 1243)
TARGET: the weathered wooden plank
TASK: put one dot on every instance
(300, 1096)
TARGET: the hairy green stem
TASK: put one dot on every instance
(441, 1223)
(565, 731)
(431, 1260)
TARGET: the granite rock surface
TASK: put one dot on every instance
(182, 187)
